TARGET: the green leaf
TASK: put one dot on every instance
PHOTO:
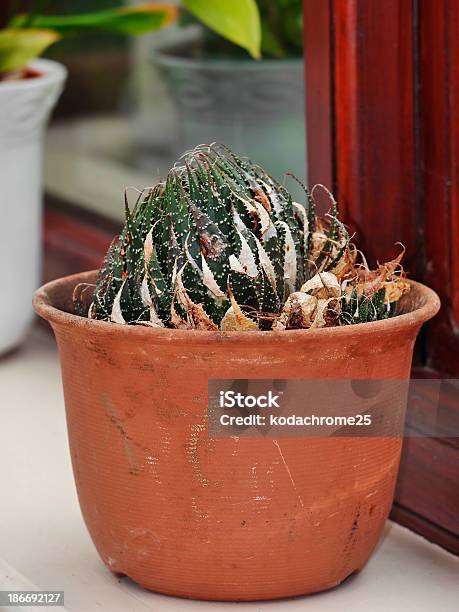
(127, 20)
(235, 20)
(19, 47)
(271, 42)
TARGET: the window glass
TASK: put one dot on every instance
(132, 106)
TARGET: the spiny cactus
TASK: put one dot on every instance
(221, 245)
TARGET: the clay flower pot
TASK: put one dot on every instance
(224, 519)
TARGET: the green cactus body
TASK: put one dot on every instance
(219, 236)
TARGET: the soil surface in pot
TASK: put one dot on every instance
(27, 73)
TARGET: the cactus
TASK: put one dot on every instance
(221, 245)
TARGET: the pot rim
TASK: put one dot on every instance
(43, 298)
(50, 72)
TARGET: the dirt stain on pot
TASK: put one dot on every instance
(355, 524)
(103, 355)
(199, 512)
(134, 467)
(192, 451)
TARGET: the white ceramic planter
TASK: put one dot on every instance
(25, 106)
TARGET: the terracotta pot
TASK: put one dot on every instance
(224, 519)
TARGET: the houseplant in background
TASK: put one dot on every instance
(28, 90)
(221, 94)
(217, 273)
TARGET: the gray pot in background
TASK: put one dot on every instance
(255, 107)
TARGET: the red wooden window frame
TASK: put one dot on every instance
(382, 129)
